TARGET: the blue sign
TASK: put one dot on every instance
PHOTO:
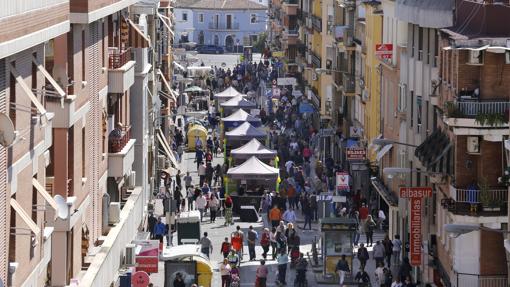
(279, 65)
(305, 108)
(269, 93)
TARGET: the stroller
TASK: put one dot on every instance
(294, 256)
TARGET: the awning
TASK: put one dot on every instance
(136, 37)
(170, 171)
(433, 148)
(174, 93)
(26, 218)
(27, 90)
(42, 191)
(166, 148)
(50, 79)
(165, 82)
(383, 151)
(162, 18)
(389, 197)
(179, 66)
(168, 96)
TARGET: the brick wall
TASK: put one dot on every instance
(469, 168)
(492, 254)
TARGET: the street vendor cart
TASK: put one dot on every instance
(187, 260)
(336, 240)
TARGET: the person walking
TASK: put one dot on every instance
(225, 269)
(275, 215)
(214, 204)
(363, 255)
(308, 213)
(397, 248)
(342, 267)
(228, 210)
(201, 202)
(151, 223)
(225, 248)
(388, 250)
(405, 269)
(205, 245)
(233, 259)
(362, 278)
(379, 274)
(261, 274)
(379, 253)
(265, 241)
(237, 241)
(252, 240)
(190, 196)
(289, 216)
(272, 238)
(370, 225)
(201, 173)
(187, 180)
(282, 260)
(159, 230)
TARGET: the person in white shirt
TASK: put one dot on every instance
(288, 165)
(289, 216)
(397, 283)
(201, 202)
(397, 248)
(381, 217)
(379, 274)
(225, 273)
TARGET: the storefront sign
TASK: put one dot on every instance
(355, 132)
(337, 226)
(278, 54)
(415, 195)
(356, 153)
(384, 51)
(342, 181)
(140, 279)
(287, 81)
(148, 257)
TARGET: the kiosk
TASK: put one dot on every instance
(336, 240)
(188, 227)
(190, 263)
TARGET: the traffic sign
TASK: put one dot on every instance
(140, 279)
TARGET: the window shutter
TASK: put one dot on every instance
(4, 210)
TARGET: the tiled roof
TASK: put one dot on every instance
(184, 3)
(227, 5)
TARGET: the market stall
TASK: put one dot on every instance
(239, 117)
(243, 134)
(253, 148)
(237, 102)
(226, 95)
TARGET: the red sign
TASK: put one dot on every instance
(147, 264)
(140, 279)
(415, 192)
(356, 153)
(385, 51)
(415, 222)
(342, 181)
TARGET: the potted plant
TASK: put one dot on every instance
(489, 203)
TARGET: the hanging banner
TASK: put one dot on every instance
(342, 181)
(356, 153)
(415, 227)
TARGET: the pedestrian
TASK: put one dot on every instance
(388, 250)
(265, 241)
(179, 281)
(363, 213)
(379, 274)
(381, 217)
(408, 282)
(237, 240)
(187, 180)
(199, 156)
(370, 225)
(359, 228)
(252, 240)
(362, 278)
(225, 248)
(289, 216)
(180, 151)
(261, 274)
(275, 215)
(397, 283)
(209, 173)
(178, 198)
(282, 261)
(159, 230)
(151, 222)
(201, 202)
(308, 213)
(313, 206)
(190, 196)
(388, 277)
(218, 175)
(206, 245)
(225, 269)
(228, 210)
(397, 248)
(405, 269)
(233, 259)
(272, 238)
(363, 255)
(214, 203)
(342, 267)
(201, 173)
(378, 253)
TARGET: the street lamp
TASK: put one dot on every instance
(457, 230)
(383, 142)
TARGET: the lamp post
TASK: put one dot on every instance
(384, 142)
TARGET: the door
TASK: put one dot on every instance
(229, 43)
(216, 21)
(201, 38)
(229, 22)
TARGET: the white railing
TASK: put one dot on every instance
(473, 196)
(474, 280)
(472, 109)
(11, 8)
(493, 281)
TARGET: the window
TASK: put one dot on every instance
(402, 98)
(253, 18)
(83, 149)
(420, 43)
(412, 108)
(201, 18)
(253, 39)
(12, 97)
(185, 17)
(83, 55)
(418, 112)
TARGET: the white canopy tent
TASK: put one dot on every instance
(238, 102)
(228, 93)
(253, 148)
(253, 168)
(240, 116)
(245, 131)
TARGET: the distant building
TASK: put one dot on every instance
(226, 23)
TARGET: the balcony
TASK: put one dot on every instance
(477, 114)
(474, 202)
(349, 83)
(317, 23)
(121, 152)
(121, 70)
(316, 60)
(482, 280)
(290, 7)
(233, 26)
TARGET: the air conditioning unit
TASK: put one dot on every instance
(476, 57)
(309, 23)
(131, 180)
(314, 76)
(114, 213)
(473, 145)
(130, 255)
(309, 58)
(161, 162)
(364, 95)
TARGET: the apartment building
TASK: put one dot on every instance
(26, 207)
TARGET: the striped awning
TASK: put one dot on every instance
(25, 217)
(137, 38)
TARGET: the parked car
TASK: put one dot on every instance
(210, 49)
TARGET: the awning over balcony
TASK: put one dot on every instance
(48, 77)
(42, 191)
(167, 26)
(179, 66)
(137, 38)
(166, 148)
(26, 218)
(385, 149)
(389, 197)
(19, 79)
(167, 85)
(433, 148)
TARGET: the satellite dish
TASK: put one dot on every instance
(62, 210)
(7, 133)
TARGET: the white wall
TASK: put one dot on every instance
(467, 253)
(183, 26)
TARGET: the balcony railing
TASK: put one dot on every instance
(118, 58)
(293, 32)
(473, 195)
(223, 26)
(472, 109)
(317, 23)
(118, 139)
(469, 280)
(316, 60)
(473, 202)
(349, 83)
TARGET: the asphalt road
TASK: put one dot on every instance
(230, 60)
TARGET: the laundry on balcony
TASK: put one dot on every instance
(433, 148)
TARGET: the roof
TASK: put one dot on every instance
(246, 130)
(238, 101)
(184, 3)
(240, 115)
(230, 92)
(227, 5)
(253, 148)
(253, 167)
